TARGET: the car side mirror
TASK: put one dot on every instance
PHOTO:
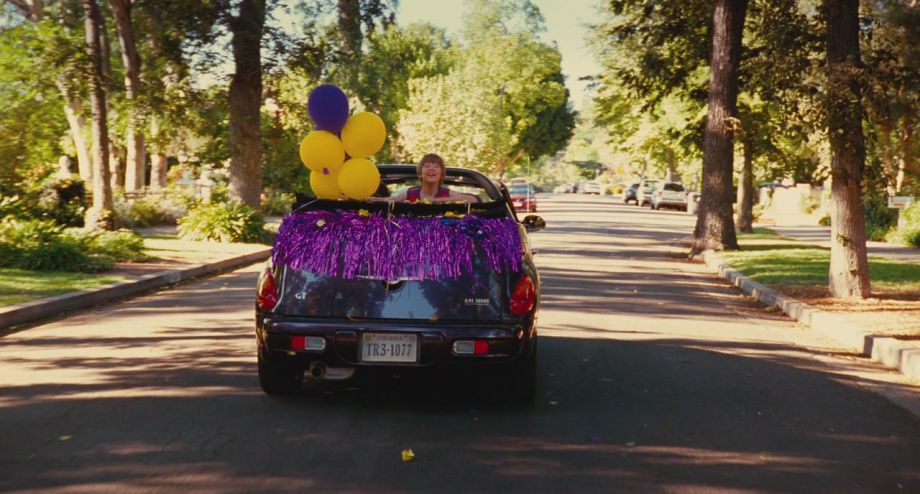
(533, 223)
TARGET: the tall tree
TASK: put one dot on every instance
(64, 79)
(849, 269)
(350, 39)
(135, 161)
(245, 99)
(714, 226)
(507, 88)
(356, 20)
(100, 215)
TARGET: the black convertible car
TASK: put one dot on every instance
(363, 286)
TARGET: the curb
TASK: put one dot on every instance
(890, 352)
(53, 306)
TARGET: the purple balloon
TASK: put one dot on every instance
(328, 107)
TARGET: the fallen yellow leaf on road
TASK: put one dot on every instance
(407, 455)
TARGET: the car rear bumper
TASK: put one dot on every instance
(507, 342)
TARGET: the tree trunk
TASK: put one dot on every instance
(906, 165)
(745, 221)
(116, 167)
(73, 107)
(100, 215)
(714, 226)
(158, 161)
(136, 160)
(157, 171)
(849, 269)
(245, 104)
(73, 110)
(116, 170)
(349, 23)
(672, 164)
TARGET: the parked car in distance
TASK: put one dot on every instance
(644, 193)
(669, 195)
(629, 193)
(523, 197)
(590, 187)
(322, 326)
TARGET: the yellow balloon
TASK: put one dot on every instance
(363, 134)
(359, 178)
(321, 149)
(325, 185)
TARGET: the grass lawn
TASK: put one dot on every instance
(799, 270)
(774, 260)
(18, 285)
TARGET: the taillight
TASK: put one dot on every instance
(267, 295)
(523, 297)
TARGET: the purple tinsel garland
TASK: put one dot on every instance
(350, 244)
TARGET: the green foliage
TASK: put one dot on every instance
(808, 203)
(41, 245)
(458, 118)
(12, 207)
(909, 232)
(277, 203)
(503, 100)
(282, 169)
(394, 57)
(120, 245)
(223, 222)
(880, 219)
(150, 210)
(60, 199)
(32, 121)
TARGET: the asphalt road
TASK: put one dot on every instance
(653, 377)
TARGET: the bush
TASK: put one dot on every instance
(809, 203)
(880, 219)
(756, 211)
(41, 245)
(62, 200)
(909, 232)
(224, 222)
(276, 203)
(121, 245)
(12, 206)
(150, 210)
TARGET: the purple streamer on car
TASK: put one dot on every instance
(352, 244)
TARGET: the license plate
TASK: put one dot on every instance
(389, 347)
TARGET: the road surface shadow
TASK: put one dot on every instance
(611, 416)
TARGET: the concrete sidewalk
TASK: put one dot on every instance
(821, 235)
(901, 355)
(50, 307)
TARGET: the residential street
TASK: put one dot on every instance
(654, 376)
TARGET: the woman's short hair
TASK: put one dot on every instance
(431, 158)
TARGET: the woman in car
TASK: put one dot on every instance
(431, 171)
